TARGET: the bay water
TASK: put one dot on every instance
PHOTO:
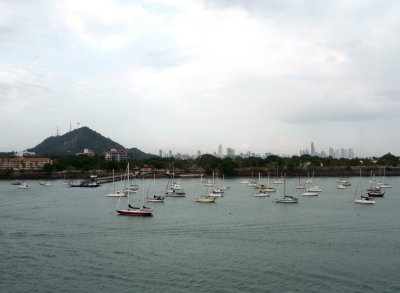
(61, 239)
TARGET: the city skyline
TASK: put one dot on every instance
(347, 153)
(265, 76)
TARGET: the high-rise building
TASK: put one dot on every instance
(351, 153)
(220, 151)
(331, 152)
(343, 153)
(230, 152)
(160, 153)
(312, 149)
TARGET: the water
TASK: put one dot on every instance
(59, 239)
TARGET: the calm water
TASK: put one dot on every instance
(60, 239)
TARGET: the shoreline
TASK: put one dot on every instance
(247, 172)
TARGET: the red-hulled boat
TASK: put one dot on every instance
(132, 210)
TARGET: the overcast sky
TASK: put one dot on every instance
(188, 75)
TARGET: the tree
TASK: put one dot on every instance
(227, 166)
(207, 162)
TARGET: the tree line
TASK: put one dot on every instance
(229, 166)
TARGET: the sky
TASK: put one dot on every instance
(188, 75)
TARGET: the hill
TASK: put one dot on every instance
(75, 141)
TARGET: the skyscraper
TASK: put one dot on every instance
(230, 152)
(220, 151)
(312, 149)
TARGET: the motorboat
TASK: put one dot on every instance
(341, 186)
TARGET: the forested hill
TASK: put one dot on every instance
(77, 140)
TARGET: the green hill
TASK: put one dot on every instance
(77, 140)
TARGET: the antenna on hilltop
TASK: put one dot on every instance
(78, 124)
(57, 131)
(70, 127)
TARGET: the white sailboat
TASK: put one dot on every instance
(207, 198)
(115, 193)
(309, 180)
(300, 185)
(382, 183)
(175, 189)
(286, 198)
(278, 180)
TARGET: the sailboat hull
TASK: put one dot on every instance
(135, 213)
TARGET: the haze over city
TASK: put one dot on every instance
(260, 76)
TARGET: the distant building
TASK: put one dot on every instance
(24, 154)
(230, 153)
(116, 155)
(160, 153)
(21, 163)
(312, 149)
(87, 152)
(180, 156)
(220, 151)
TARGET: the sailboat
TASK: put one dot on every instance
(286, 198)
(132, 210)
(264, 189)
(363, 199)
(314, 188)
(277, 180)
(176, 189)
(382, 184)
(309, 180)
(209, 197)
(115, 193)
(154, 197)
(300, 185)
